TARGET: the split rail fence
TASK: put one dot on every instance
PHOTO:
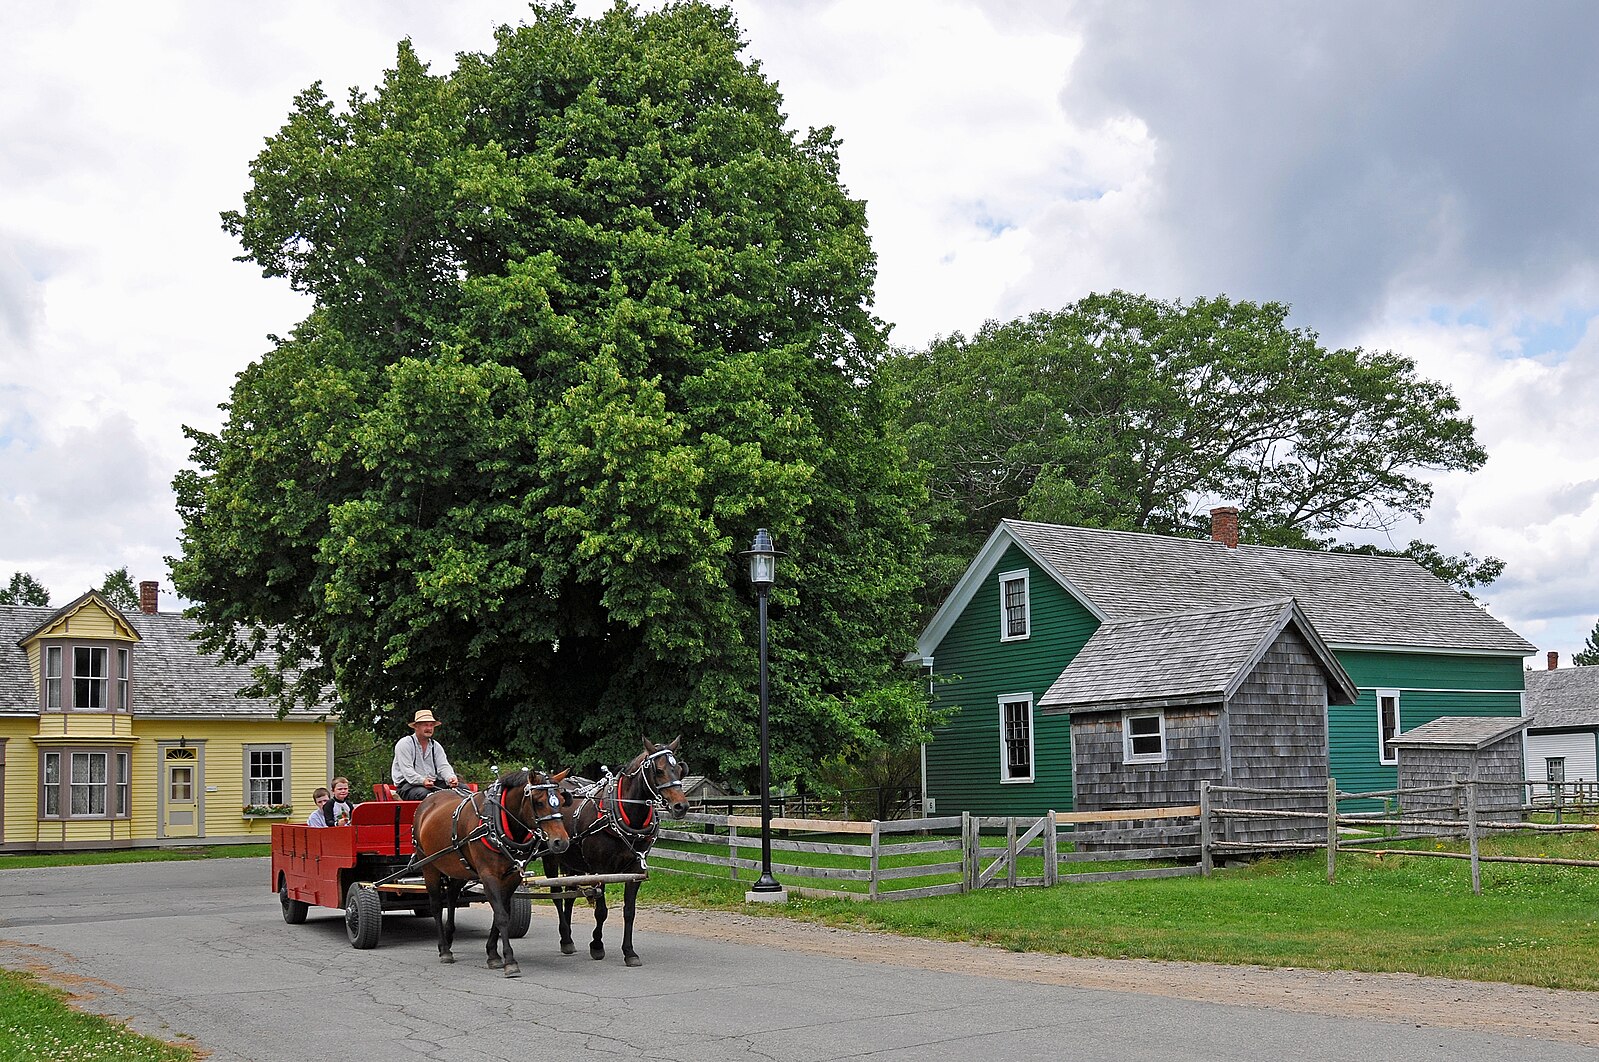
(882, 859)
(1466, 808)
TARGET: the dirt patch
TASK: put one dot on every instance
(1513, 1010)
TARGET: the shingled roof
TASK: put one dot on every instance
(1461, 732)
(1189, 658)
(172, 677)
(1568, 697)
(1354, 600)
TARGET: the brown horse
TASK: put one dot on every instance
(487, 837)
(612, 824)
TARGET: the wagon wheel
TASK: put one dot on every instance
(521, 912)
(293, 910)
(363, 915)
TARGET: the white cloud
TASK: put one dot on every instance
(1408, 178)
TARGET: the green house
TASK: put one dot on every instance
(1411, 649)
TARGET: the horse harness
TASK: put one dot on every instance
(611, 812)
(500, 829)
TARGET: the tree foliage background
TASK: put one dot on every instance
(24, 589)
(586, 315)
(1127, 412)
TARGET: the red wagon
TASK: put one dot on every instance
(368, 869)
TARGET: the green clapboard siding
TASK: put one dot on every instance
(963, 759)
(1429, 686)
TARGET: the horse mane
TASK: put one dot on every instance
(514, 779)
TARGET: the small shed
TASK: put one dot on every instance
(1235, 696)
(701, 790)
(1452, 748)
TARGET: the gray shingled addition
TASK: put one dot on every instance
(1567, 697)
(1461, 731)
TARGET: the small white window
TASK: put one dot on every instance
(122, 680)
(1016, 738)
(1388, 724)
(52, 677)
(1554, 768)
(1015, 609)
(1144, 737)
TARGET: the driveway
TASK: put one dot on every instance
(198, 952)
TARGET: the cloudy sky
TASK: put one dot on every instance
(1415, 177)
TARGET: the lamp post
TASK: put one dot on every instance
(763, 572)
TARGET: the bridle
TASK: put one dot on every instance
(612, 815)
(492, 828)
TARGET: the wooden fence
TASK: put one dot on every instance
(979, 851)
(1414, 813)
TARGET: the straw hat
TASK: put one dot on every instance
(423, 716)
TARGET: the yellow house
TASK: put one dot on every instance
(116, 731)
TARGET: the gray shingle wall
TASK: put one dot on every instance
(1101, 780)
(1277, 726)
(1351, 599)
(1499, 765)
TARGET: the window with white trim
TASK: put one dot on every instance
(1387, 725)
(1016, 738)
(89, 677)
(52, 676)
(1144, 737)
(266, 774)
(1015, 608)
(1554, 769)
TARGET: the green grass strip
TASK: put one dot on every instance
(38, 1025)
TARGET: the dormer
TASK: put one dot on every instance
(81, 657)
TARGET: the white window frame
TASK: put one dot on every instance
(1383, 738)
(1550, 764)
(1024, 576)
(124, 660)
(52, 678)
(68, 789)
(1128, 755)
(1005, 777)
(98, 686)
(254, 796)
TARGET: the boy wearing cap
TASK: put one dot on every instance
(420, 766)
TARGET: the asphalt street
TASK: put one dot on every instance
(198, 952)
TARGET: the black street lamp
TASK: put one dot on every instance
(763, 572)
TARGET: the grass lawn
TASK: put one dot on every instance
(132, 855)
(38, 1025)
(1535, 925)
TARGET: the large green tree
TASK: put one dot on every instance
(586, 315)
(1127, 412)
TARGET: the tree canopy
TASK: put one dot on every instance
(24, 589)
(1588, 655)
(586, 315)
(118, 589)
(1132, 413)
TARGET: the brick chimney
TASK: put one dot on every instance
(1224, 525)
(1554, 661)
(149, 597)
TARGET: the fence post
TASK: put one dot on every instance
(877, 840)
(967, 858)
(1010, 851)
(1471, 831)
(1205, 863)
(732, 849)
(1332, 829)
(1051, 852)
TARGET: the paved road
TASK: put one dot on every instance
(201, 949)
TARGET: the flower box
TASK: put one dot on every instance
(268, 811)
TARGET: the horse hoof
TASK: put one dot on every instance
(495, 962)
(568, 948)
(512, 970)
(633, 960)
(596, 953)
(446, 957)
